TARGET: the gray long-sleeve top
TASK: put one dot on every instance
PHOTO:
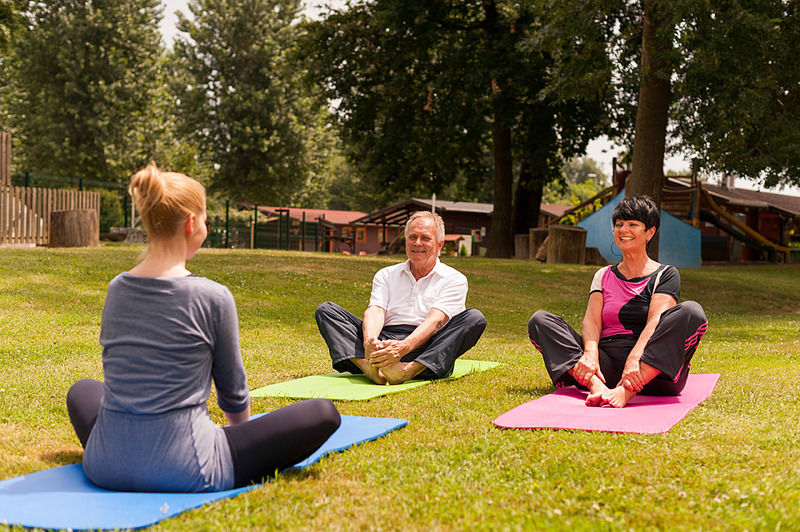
(164, 340)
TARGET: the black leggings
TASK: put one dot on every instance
(259, 448)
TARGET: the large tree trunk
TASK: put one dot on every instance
(527, 200)
(647, 176)
(501, 234)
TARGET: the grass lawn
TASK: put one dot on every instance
(732, 464)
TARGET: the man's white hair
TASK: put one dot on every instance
(437, 220)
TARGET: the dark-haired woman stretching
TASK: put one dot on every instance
(635, 338)
(166, 334)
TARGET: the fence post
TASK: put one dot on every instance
(254, 239)
(303, 233)
(227, 227)
(5, 159)
(125, 210)
(280, 234)
(288, 223)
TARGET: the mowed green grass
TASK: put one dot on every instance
(732, 464)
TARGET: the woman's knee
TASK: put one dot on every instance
(82, 390)
(695, 311)
(539, 319)
(326, 413)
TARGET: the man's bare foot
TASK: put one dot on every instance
(618, 397)
(400, 372)
(370, 371)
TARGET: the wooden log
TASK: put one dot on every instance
(521, 246)
(74, 228)
(566, 244)
(541, 253)
(537, 236)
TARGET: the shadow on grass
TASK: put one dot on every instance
(307, 473)
(63, 457)
(533, 391)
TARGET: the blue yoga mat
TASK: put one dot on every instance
(63, 498)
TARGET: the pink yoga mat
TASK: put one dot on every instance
(565, 409)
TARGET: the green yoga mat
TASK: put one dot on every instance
(348, 387)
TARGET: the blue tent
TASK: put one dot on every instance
(679, 243)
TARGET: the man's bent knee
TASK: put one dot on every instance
(539, 319)
(474, 318)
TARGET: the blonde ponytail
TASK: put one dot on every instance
(165, 199)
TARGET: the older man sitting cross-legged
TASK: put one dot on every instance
(416, 324)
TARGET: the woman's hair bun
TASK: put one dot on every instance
(164, 199)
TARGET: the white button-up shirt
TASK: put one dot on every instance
(408, 301)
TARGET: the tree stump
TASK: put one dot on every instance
(521, 246)
(566, 244)
(537, 236)
(594, 257)
(75, 228)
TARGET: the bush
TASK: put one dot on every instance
(111, 213)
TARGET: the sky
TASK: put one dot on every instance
(601, 149)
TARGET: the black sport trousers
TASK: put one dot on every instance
(259, 447)
(669, 350)
(344, 334)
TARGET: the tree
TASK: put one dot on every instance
(8, 21)
(432, 94)
(239, 101)
(716, 79)
(738, 103)
(581, 178)
(82, 79)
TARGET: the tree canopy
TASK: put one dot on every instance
(239, 100)
(715, 79)
(83, 81)
(477, 100)
(433, 97)
(738, 89)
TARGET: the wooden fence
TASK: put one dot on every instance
(5, 158)
(25, 211)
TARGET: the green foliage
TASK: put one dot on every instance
(739, 100)
(433, 97)
(562, 193)
(331, 182)
(581, 179)
(238, 97)
(582, 169)
(82, 82)
(8, 23)
(735, 101)
(111, 214)
(411, 96)
(707, 473)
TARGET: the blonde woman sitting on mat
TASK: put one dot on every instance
(166, 334)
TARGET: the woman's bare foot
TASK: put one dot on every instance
(597, 391)
(370, 371)
(618, 397)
